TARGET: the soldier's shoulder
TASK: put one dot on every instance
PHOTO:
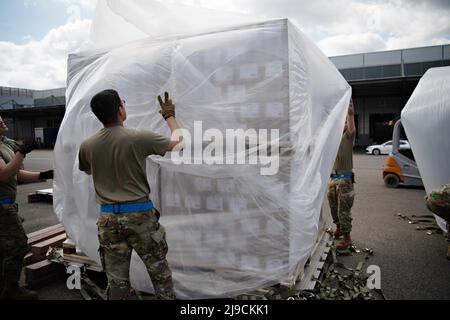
(138, 134)
(90, 141)
(131, 132)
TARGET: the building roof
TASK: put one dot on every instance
(413, 62)
(16, 98)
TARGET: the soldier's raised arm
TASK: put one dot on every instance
(168, 113)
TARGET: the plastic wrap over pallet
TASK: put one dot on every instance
(230, 229)
(426, 119)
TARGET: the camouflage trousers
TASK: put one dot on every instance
(340, 197)
(13, 245)
(119, 234)
(438, 202)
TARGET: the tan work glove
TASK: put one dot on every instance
(351, 109)
(167, 107)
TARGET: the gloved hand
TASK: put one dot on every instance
(167, 107)
(46, 175)
(351, 108)
(26, 147)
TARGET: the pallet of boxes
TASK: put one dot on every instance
(231, 226)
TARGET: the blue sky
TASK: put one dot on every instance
(20, 19)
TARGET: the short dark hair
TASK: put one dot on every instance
(105, 106)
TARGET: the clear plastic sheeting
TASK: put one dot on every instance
(119, 22)
(426, 119)
(230, 229)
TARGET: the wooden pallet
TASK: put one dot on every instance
(82, 260)
(39, 271)
(45, 234)
(42, 273)
(308, 278)
(40, 249)
(37, 238)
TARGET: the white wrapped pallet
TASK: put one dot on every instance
(230, 229)
(426, 119)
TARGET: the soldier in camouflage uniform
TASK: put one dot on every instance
(340, 187)
(13, 240)
(116, 159)
(438, 202)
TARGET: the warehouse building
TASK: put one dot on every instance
(27, 112)
(382, 83)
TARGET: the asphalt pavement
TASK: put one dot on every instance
(412, 263)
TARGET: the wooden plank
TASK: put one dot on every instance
(69, 247)
(313, 271)
(39, 232)
(28, 259)
(79, 259)
(43, 273)
(84, 261)
(40, 249)
(41, 196)
(36, 197)
(45, 235)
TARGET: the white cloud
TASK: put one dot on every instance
(349, 26)
(338, 27)
(352, 43)
(42, 64)
(86, 4)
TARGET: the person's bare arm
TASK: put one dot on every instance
(176, 138)
(351, 127)
(28, 176)
(168, 113)
(7, 171)
(83, 162)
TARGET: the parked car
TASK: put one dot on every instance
(386, 147)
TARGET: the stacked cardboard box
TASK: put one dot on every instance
(251, 86)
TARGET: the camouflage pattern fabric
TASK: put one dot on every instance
(13, 245)
(340, 197)
(438, 202)
(119, 234)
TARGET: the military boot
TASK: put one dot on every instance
(345, 243)
(17, 293)
(337, 233)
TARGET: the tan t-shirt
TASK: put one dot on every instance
(116, 158)
(344, 159)
(8, 189)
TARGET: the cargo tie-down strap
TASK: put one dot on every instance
(425, 223)
(337, 282)
(127, 207)
(8, 201)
